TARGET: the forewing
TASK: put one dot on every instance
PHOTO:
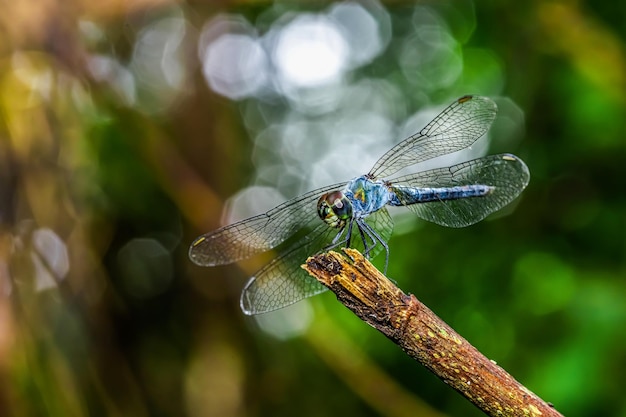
(507, 173)
(259, 233)
(283, 282)
(455, 128)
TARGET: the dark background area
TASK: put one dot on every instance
(128, 128)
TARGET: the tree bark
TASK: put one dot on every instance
(424, 336)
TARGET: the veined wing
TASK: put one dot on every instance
(507, 173)
(283, 282)
(259, 233)
(455, 128)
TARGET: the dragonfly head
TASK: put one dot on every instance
(335, 209)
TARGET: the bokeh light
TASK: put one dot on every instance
(234, 62)
(49, 258)
(310, 52)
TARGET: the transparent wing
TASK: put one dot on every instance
(455, 128)
(283, 282)
(259, 233)
(507, 173)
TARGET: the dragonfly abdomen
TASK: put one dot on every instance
(403, 196)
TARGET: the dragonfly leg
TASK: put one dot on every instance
(349, 235)
(362, 226)
(376, 238)
(337, 241)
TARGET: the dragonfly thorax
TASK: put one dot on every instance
(367, 195)
(335, 209)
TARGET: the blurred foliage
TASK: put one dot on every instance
(121, 138)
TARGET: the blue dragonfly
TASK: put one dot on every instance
(354, 213)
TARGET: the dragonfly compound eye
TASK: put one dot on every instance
(334, 208)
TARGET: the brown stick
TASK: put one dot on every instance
(424, 336)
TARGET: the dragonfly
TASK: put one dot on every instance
(354, 213)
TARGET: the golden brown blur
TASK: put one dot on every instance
(128, 128)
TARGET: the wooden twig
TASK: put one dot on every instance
(424, 336)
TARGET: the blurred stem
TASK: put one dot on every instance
(362, 375)
(424, 336)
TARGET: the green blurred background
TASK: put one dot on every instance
(128, 127)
